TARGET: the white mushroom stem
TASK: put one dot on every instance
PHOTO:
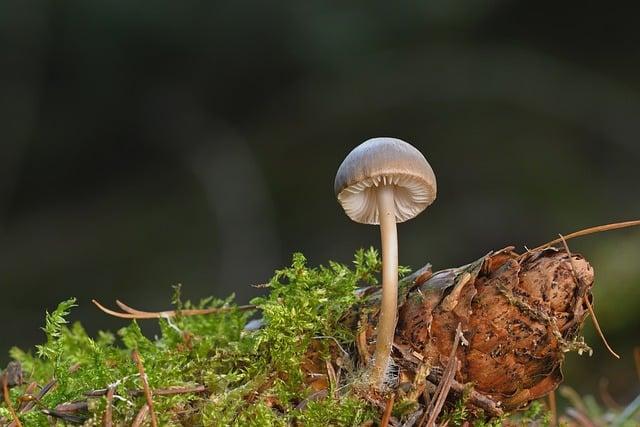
(389, 304)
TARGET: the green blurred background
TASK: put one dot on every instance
(145, 144)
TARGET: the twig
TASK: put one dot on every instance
(587, 231)
(131, 313)
(7, 400)
(145, 385)
(142, 414)
(586, 299)
(386, 416)
(445, 384)
(108, 412)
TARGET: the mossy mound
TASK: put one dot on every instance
(249, 377)
(217, 369)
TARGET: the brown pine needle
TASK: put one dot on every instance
(173, 390)
(7, 401)
(128, 309)
(553, 408)
(587, 231)
(597, 325)
(586, 300)
(27, 396)
(145, 386)
(387, 411)
(156, 392)
(132, 313)
(142, 414)
(440, 395)
(108, 412)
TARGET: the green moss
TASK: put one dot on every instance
(536, 414)
(252, 377)
(348, 411)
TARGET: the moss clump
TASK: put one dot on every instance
(250, 377)
(299, 367)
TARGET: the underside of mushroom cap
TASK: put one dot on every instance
(384, 161)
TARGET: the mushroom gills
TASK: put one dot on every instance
(360, 199)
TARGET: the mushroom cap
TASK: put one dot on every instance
(384, 161)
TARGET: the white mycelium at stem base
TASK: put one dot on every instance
(389, 304)
(384, 181)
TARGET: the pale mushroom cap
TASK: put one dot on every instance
(380, 161)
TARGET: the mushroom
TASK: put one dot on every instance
(385, 181)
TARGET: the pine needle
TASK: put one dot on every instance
(387, 411)
(145, 386)
(553, 408)
(587, 231)
(7, 400)
(108, 413)
(132, 313)
(444, 386)
(140, 417)
(586, 300)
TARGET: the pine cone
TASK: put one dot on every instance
(519, 315)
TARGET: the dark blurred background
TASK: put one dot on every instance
(148, 144)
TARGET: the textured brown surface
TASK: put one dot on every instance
(519, 315)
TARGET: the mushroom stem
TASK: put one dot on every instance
(389, 304)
